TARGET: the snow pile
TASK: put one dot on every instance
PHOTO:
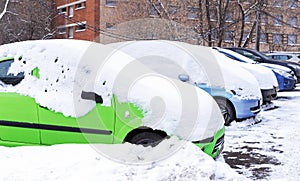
(81, 162)
(202, 64)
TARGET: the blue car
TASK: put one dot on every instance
(285, 76)
(231, 106)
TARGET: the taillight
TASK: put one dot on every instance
(299, 62)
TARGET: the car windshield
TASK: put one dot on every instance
(264, 56)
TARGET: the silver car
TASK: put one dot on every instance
(288, 56)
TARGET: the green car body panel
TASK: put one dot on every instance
(24, 122)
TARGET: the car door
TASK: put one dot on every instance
(18, 113)
(97, 126)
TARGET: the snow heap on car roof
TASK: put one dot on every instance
(202, 64)
(57, 67)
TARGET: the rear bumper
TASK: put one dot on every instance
(246, 108)
(215, 146)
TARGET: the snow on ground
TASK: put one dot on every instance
(82, 162)
(268, 150)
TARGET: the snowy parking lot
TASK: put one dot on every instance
(267, 150)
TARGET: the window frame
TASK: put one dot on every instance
(110, 3)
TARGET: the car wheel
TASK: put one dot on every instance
(147, 139)
(226, 110)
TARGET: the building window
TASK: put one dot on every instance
(229, 17)
(110, 26)
(192, 13)
(229, 36)
(213, 14)
(71, 32)
(80, 5)
(111, 3)
(293, 4)
(263, 38)
(214, 35)
(247, 19)
(80, 27)
(292, 39)
(277, 38)
(62, 10)
(62, 30)
(71, 11)
(278, 20)
(292, 21)
(263, 18)
(277, 3)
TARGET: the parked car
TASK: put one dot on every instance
(286, 56)
(49, 96)
(235, 90)
(285, 76)
(267, 80)
(262, 58)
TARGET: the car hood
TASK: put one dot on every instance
(274, 66)
(265, 77)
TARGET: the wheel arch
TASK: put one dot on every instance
(142, 129)
(227, 102)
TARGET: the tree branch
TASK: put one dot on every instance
(4, 10)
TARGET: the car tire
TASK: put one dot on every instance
(147, 139)
(226, 110)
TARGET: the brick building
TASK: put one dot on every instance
(79, 19)
(119, 20)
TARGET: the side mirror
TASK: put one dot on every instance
(183, 77)
(257, 59)
(91, 96)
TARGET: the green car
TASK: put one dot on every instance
(27, 118)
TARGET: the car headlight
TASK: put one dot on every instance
(282, 73)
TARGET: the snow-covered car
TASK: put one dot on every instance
(285, 76)
(262, 58)
(235, 90)
(265, 77)
(84, 94)
(286, 56)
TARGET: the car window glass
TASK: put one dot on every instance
(4, 66)
(249, 55)
(9, 78)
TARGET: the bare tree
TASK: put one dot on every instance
(25, 20)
